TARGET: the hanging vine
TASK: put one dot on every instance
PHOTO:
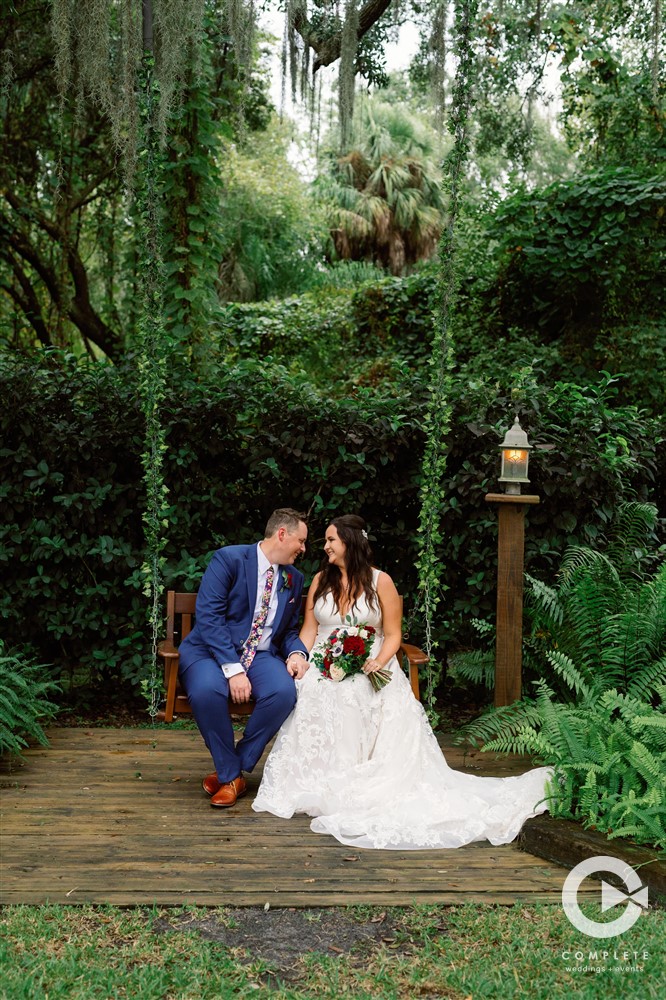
(657, 40)
(131, 60)
(438, 415)
(439, 49)
(331, 34)
(98, 56)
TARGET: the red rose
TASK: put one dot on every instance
(354, 644)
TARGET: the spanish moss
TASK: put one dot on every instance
(98, 52)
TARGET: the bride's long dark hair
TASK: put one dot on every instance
(358, 560)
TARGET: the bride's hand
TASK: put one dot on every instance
(297, 666)
(370, 666)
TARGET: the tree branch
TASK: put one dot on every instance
(328, 49)
(28, 302)
(78, 307)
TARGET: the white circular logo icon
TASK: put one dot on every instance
(636, 897)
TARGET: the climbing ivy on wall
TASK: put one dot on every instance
(152, 359)
(438, 414)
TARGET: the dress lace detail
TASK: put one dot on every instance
(366, 764)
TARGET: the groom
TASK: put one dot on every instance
(245, 644)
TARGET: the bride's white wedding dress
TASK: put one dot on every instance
(366, 764)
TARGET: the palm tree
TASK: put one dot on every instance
(384, 198)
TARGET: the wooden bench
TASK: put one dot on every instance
(179, 623)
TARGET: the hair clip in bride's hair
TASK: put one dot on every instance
(364, 532)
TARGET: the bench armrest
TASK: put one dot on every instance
(170, 655)
(413, 653)
(415, 657)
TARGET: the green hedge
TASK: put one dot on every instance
(254, 436)
(336, 335)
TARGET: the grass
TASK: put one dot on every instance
(470, 952)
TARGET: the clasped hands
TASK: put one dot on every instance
(297, 665)
(240, 688)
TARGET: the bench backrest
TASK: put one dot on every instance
(180, 614)
(181, 608)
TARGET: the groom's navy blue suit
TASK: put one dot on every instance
(224, 614)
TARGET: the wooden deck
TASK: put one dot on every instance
(118, 816)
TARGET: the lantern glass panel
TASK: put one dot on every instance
(514, 463)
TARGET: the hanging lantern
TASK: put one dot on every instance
(515, 450)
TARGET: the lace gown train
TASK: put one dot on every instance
(366, 764)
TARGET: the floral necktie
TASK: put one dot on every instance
(252, 641)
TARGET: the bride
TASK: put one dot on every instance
(364, 762)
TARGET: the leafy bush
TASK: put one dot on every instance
(599, 714)
(337, 333)
(579, 252)
(252, 436)
(24, 700)
(590, 454)
(570, 277)
(71, 538)
(272, 233)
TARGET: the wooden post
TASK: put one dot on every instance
(509, 636)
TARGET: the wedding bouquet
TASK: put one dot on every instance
(345, 651)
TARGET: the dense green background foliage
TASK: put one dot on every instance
(319, 399)
(253, 436)
(574, 257)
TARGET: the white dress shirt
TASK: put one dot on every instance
(231, 669)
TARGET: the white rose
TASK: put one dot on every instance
(337, 673)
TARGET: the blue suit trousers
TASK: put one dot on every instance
(207, 688)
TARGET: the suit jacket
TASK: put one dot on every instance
(225, 608)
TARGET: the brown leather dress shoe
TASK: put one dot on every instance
(210, 784)
(228, 793)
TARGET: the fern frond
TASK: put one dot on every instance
(650, 768)
(562, 728)
(483, 627)
(651, 728)
(565, 668)
(24, 699)
(630, 533)
(646, 679)
(546, 599)
(477, 666)
(581, 560)
(504, 720)
(526, 741)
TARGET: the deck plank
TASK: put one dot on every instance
(118, 816)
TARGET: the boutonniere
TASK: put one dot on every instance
(286, 580)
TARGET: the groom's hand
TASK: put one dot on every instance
(240, 688)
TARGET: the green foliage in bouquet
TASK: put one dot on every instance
(599, 715)
(345, 652)
(24, 700)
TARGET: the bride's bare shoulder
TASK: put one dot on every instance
(381, 574)
(385, 583)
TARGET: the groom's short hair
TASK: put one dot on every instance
(284, 517)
